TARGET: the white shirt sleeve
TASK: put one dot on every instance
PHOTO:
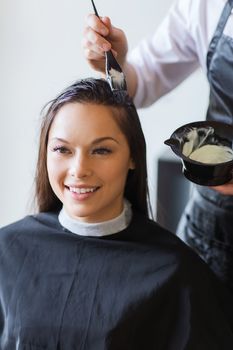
(167, 58)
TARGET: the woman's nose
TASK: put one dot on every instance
(80, 167)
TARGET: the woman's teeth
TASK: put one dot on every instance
(82, 190)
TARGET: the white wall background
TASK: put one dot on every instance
(40, 54)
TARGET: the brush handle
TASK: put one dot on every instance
(96, 13)
(111, 63)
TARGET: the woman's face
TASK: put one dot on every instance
(88, 159)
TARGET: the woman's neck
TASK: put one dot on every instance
(99, 229)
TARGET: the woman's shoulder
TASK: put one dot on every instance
(184, 261)
(27, 225)
(148, 232)
(149, 229)
(14, 226)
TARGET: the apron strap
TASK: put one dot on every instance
(219, 30)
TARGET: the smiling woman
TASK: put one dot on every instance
(88, 161)
(91, 270)
(90, 126)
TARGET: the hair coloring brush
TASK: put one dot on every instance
(114, 73)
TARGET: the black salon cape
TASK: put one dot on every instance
(139, 289)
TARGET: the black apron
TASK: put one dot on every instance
(207, 223)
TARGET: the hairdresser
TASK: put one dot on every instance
(195, 33)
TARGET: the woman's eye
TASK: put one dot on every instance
(101, 150)
(61, 149)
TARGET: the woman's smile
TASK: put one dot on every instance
(83, 192)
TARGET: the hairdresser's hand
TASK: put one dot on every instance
(100, 36)
(226, 189)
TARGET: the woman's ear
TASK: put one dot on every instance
(131, 164)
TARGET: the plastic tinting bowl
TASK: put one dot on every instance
(192, 136)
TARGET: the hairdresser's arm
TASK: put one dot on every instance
(100, 36)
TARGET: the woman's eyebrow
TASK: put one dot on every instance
(106, 138)
(98, 140)
(58, 139)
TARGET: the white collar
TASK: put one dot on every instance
(97, 229)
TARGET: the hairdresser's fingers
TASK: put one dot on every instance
(226, 189)
(99, 25)
(117, 39)
(104, 28)
(95, 59)
(96, 50)
(94, 41)
(120, 47)
(95, 44)
(94, 47)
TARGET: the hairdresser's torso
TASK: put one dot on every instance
(178, 47)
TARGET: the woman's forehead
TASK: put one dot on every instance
(76, 120)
